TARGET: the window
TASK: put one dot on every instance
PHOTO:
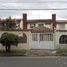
(32, 25)
(17, 26)
(34, 37)
(62, 26)
(51, 37)
(41, 25)
(46, 37)
(63, 39)
(42, 37)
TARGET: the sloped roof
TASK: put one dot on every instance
(61, 21)
(61, 30)
(47, 21)
(41, 29)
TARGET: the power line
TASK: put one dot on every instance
(35, 2)
(37, 9)
(47, 2)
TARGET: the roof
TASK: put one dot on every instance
(33, 31)
(61, 21)
(61, 30)
(41, 29)
(15, 30)
(47, 21)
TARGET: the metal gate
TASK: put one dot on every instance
(40, 41)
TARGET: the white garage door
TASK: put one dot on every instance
(42, 41)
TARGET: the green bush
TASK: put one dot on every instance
(8, 39)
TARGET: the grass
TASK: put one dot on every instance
(17, 52)
(61, 52)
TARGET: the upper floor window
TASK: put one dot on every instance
(32, 25)
(17, 26)
(62, 26)
(41, 25)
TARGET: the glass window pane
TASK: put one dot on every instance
(35, 37)
(63, 39)
(32, 25)
(46, 37)
(41, 25)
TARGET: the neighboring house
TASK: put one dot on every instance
(39, 33)
(9, 23)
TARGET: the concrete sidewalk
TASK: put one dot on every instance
(37, 52)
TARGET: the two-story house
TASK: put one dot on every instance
(40, 33)
(47, 33)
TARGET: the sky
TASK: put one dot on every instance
(33, 4)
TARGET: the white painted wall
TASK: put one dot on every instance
(65, 26)
(21, 24)
(57, 36)
(59, 28)
(37, 45)
(48, 26)
(28, 26)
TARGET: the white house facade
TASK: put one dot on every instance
(41, 33)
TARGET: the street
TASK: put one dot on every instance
(33, 61)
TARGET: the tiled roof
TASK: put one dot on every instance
(61, 30)
(61, 21)
(41, 29)
(47, 21)
(15, 30)
(33, 31)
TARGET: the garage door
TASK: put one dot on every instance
(42, 41)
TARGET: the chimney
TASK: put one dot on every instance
(53, 21)
(24, 21)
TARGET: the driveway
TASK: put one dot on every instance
(33, 61)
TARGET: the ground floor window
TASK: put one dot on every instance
(63, 39)
(46, 37)
(42, 37)
(35, 37)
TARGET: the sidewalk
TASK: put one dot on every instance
(37, 52)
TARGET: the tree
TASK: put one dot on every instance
(9, 23)
(8, 39)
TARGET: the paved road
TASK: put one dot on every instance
(33, 62)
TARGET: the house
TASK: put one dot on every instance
(39, 33)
